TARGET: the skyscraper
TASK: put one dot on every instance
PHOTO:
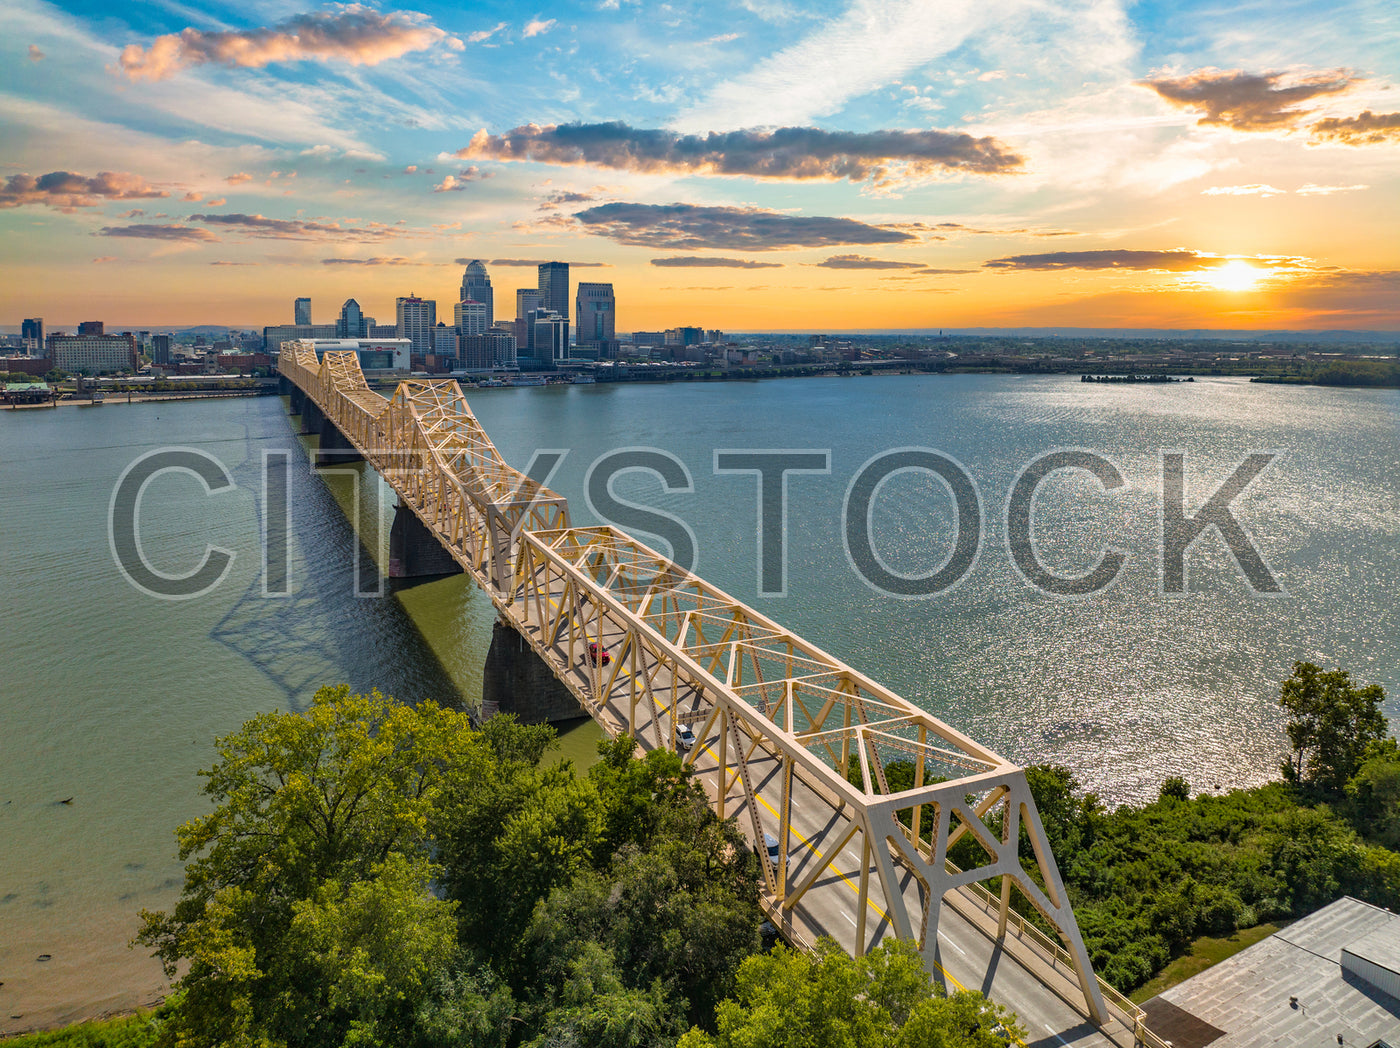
(476, 285)
(554, 287)
(160, 349)
(595, 313)
(551, 338)
(352, 322)
(302, 311)
(471, 317)
(416, 318)
(526, 299)
(32, 332)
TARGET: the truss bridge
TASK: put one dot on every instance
(855, 793)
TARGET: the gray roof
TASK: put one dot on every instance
(1243, 1002)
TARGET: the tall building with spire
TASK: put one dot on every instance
(476, 286)
(554, 287)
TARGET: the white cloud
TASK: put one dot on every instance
(537, 26)
(1312, 189)
(1254, 189)
(863, 48)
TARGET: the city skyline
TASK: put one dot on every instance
(870, 164)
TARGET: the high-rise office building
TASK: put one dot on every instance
(595, 313)
(476, 285)
(554, 287)
(302, 311)
(415, 319)
(91, 327)
(551, 338)
(31, 332)
(471, 317)
(160, 349)
(352, 323)
(526, 299)
(445, 344)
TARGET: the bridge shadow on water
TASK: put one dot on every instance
(323, 632)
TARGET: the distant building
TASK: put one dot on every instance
(496, 348)
(92, 354)
(714, 335)
(31, 331)
(526, 299)
(683, 336)
(352, 322)
(554, 287)
(551, 338)
(276, 334)
(415, 319)
(90, 327)
(471, 317)
(160, 349)
(476, 285)
(382, 331)
(445, 341)
(595, 313)
(302, 311)
(648, 338)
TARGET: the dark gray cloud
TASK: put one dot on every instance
(882, 157)
(864, 262)
(184, 234)
(687, 227)
(65, 190)
(264, 228)
(379, 260)
(1248, 101)
(539, 261)
(706, 262)
(1366, 129)
(1177, 260)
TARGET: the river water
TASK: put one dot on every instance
(110, 697)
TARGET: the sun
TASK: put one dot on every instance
(1234, 275)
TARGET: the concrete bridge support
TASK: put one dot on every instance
(334, 448)
(414, 551)
(518, 681)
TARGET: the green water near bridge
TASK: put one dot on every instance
(111, 698)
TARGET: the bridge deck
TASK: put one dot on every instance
(782, 727)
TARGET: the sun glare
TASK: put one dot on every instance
(1234, 275)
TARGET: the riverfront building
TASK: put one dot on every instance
(92, 354)
(595, 313)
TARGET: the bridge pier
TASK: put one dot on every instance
(334, 448)
(414, 551)
(287, 388)
(518, 681)
(311, 417)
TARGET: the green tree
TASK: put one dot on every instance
(786, 999)
(1331, 723)
(307, 915)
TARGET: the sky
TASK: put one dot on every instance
(747, 165)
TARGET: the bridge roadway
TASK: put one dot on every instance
(791, 742)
